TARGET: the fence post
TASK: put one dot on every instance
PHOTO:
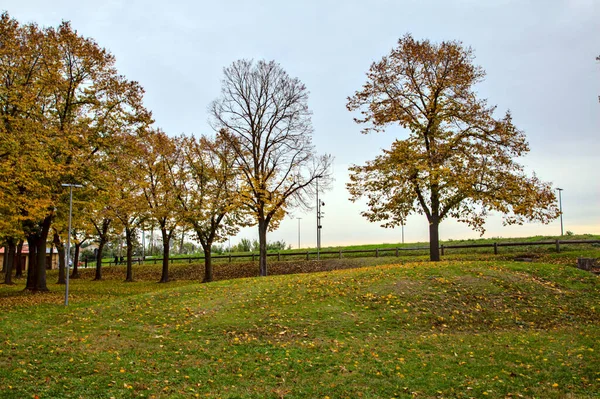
(229, 257)
(442, 247)
(278, 256)
(495, 248)
(189, 260)
(340, 254)
(557, 245)
(306, 255)
(396, 252)
(377, 252)
(252, 257)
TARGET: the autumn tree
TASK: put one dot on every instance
(23, 99)
(207, 193)
(158, 154)
(263, 114)
(458, 159)
(61, 100)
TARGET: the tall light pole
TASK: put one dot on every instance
(68, 255)
(319, 204)
(560, 209)
(402, 232)
(299, 219)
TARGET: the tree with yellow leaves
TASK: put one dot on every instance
(159, 156)
(208, 192)
(61, 102)
(458, 159)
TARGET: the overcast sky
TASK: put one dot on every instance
(539, 56)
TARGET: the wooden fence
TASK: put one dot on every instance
(376, 252)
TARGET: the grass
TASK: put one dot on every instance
(454, 329)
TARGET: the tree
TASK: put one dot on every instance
(457, 161)
(127, 204)
(61, 101)
(158, 154)
(263, 114)
(207, 192)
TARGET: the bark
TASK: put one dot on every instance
(164, 278)
(129, 240)
(262, 240)
(103, 235)
(38, 281)
(9, 256)
(60, 248)
(19, 262)
(75, 273)
(208, 270)
(434, 240)
(98, 275)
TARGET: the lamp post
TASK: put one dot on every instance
(68, 255)
(319, 204)
(402, 232)
(560, 209)
(299, 219)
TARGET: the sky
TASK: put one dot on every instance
(539, 56)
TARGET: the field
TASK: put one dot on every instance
(474, 328)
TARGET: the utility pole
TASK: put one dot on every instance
(299, 219)
(402, 232)
(319, 215)
(560, 209)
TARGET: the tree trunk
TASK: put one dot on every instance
(60, 248)
(41, 240)
(208, 271)
(262, 241)
(103, 234)
(9, 256)
(75, 273)
(101, 244)
(19, 262)
(164, 278)
(434, 240)
(129, 240)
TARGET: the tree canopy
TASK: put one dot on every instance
(458, 159)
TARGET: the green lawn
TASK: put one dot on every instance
(454, 329)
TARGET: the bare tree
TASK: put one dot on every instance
(263, 113)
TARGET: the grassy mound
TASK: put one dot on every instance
(445, 330)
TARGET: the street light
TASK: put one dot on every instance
(402, 232)
(299, 219)
(560, 209)
(68, 255)
(319, 204)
